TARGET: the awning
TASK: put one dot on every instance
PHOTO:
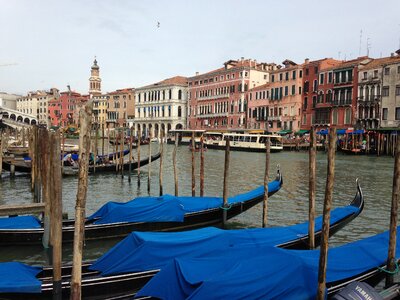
(302, 131)
(283, 132)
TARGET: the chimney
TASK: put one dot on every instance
(392, 54)
(242, 58)
(307, 60)
(197, 73)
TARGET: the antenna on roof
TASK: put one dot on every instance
(359, 50)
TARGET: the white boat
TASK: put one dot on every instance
(243, 141)
(185, 136)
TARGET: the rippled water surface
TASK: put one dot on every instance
(288, 206)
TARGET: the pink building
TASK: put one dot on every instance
(217, 99)
(276, 106)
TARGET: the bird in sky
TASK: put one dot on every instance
(158, 24)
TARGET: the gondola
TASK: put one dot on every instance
(270, 272)
(109, 167)
(129, 265)
(352, 151)
(164, 213)
(24, 166)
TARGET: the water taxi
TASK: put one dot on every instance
(243, 141)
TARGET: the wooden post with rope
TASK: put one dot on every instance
(311, 188)
(85, 116)
(266, 179)
(391, 260)
(326, 215)
(225, 187)
(56, 211)
(193, 167)
(138, 157)
(174, 164)
(201, 166)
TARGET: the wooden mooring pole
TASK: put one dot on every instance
(311, 188)
(161, 161)
(201, 167)
(138, 157)
(121, 157)
(149, 173)
(225, 188)
(391, 263)
(174, 164)
(326, 215)
(85, 117)
(266, 179)
(2, 136)
(46, 173)
(193, 167)
(130, 153)
(56, 211)
(33, 150)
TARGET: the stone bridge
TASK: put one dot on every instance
(15, 118)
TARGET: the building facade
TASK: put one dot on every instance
(217, 99)
(9, 101)
(317, 93)
(61, 111)
(120, 107)
(391, 92)
(37, 104)
(161, 106)
(100, 110)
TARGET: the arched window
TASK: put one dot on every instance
(179, 95)
(179, 111)
(170, 95)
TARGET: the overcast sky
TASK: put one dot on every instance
(53, 43)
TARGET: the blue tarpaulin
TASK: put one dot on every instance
(341, 131)
(19, 278)
(19, 222)
(142, 251)
(264, 272)
(168, 208)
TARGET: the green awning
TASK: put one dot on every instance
(283, 132)
(302, 131)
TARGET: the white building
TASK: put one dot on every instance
(161, 106)
(8, 100)
(37, 104)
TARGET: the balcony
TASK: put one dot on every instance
(212, 115)
(342, 102)
(213, 97)
(274, 118)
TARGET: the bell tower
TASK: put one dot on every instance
(95, 80)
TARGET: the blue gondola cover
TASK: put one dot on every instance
(19, 222)
(19, 278)
(264, 272)
(167, 208)
(142, 251)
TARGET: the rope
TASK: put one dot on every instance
(391, 272)
(227, 208)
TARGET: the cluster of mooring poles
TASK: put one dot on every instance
(391, 262)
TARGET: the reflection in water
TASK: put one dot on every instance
(288, 206)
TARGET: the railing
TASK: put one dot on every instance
(213, 115)
(214, 97)
(274, 118)
(342, 102)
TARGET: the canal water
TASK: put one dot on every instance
(288, 206)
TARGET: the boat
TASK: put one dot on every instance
(129, 265)
(18, 150)
(185, 136)
(109, 167)
(270, 272)
(243, 141)
(351, 151)
(24, 165)
(164, 213)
